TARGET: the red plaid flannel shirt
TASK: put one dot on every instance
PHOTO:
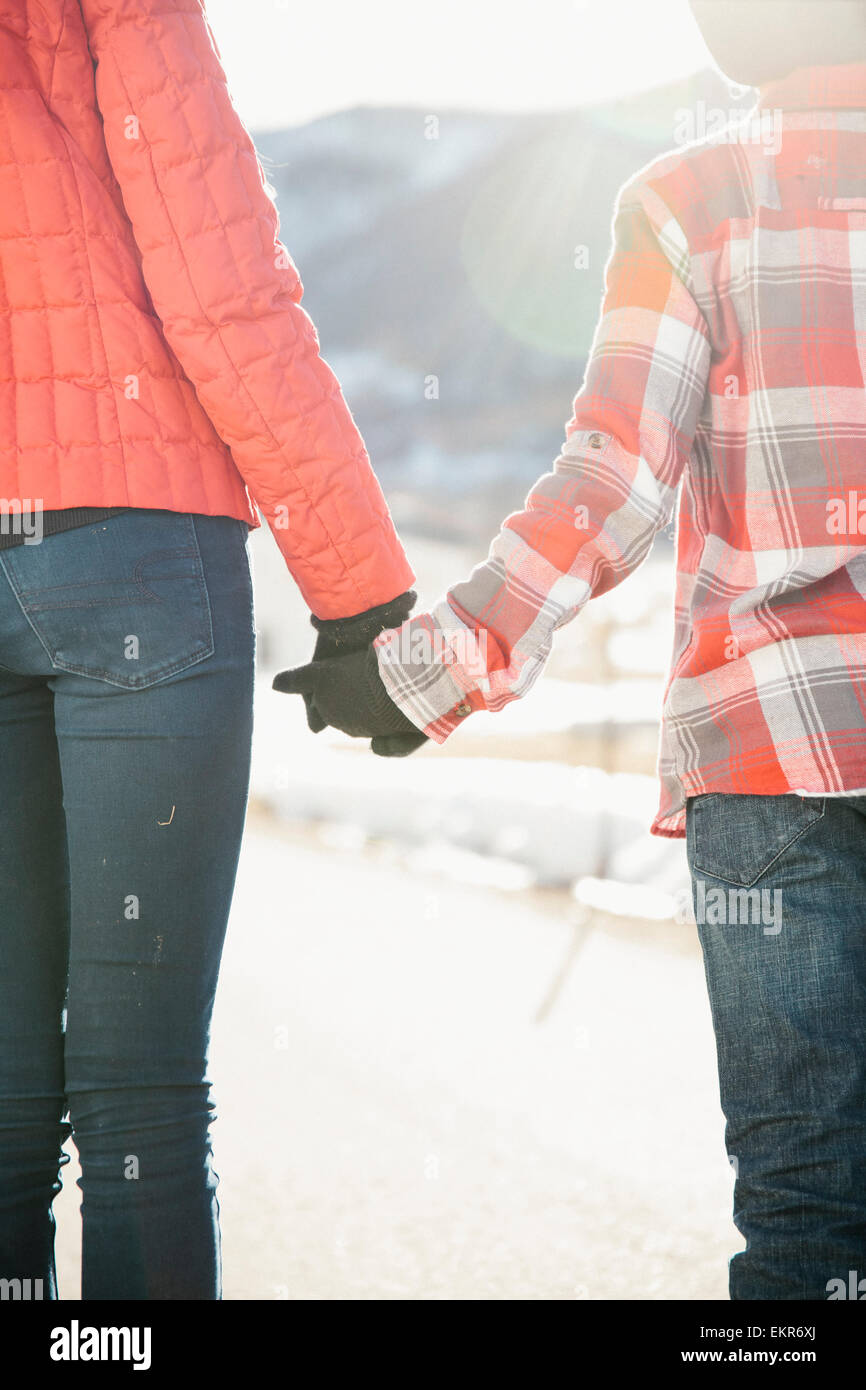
(726, 370)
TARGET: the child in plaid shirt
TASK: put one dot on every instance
(727, 371)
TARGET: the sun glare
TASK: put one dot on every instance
(288, 63)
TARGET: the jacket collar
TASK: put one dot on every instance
(817, 88)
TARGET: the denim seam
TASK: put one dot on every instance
(699, 868)
(160, 673)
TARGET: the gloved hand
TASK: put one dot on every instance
(348, 693)
(336, 636)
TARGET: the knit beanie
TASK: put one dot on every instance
(759, 41)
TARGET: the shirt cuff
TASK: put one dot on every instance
(437, 695)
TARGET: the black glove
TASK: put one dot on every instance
(348, 693)
(336, 636)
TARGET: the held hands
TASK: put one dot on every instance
(342, 687)
(347, 692)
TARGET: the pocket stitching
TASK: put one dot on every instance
(699, 868)
(193, 550)
(144, 595)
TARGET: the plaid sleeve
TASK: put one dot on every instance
(591, 520)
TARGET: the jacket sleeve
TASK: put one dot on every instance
(228, 296)
(591, 520)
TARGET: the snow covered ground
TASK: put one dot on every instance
(554, 822)
(433, 1090)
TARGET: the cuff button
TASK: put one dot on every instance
(595, 441)
(463, 709)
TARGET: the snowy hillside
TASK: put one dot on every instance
(455, 281)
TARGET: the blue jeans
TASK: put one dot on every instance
(779, 889)
(127, 652)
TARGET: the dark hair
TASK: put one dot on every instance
(756, 41)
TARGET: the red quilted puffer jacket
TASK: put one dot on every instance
(153, 351)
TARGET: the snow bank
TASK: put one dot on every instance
(543, 823)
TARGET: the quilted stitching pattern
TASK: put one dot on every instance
(153, 349)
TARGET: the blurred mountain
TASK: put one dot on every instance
(453, 265)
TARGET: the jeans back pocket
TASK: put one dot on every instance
(737, 837)
(123, 600)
